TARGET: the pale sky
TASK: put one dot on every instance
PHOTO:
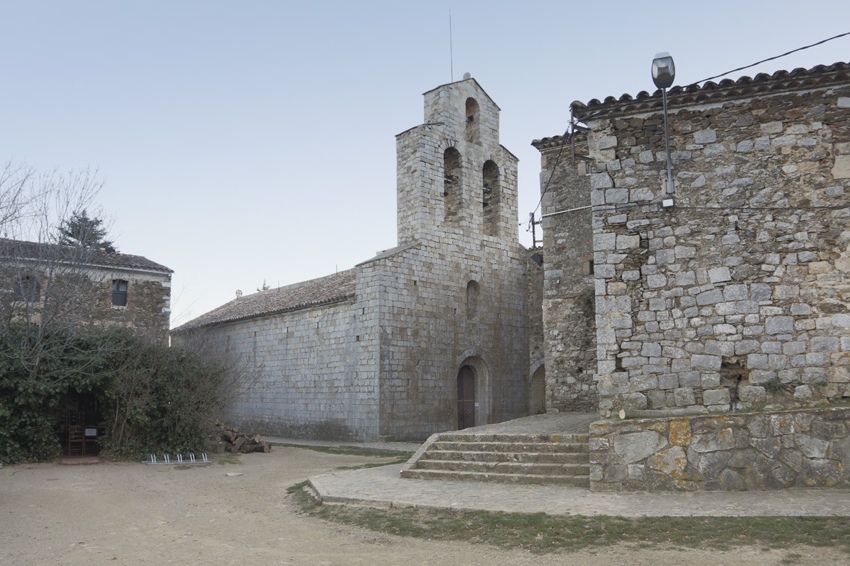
(253, 141)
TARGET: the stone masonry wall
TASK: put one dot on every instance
(568, 295)
(808, 448)
(737, 296)
(148, 307)
(428, 330)
(312, 372)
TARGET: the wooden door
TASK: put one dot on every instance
(465, 398)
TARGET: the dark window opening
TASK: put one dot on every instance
(28, 289)
(452, 183)
(119, 293)
(471, 133)
(491, 197)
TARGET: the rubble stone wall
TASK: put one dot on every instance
(568, 295)
(736, 296)
(795, 448)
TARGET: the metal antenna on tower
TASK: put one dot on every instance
(451, 51)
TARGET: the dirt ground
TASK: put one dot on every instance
(239, 514)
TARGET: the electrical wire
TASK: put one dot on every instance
(769, 59)
(629, 102)
(565, 137)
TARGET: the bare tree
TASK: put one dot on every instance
(48, 289)
(240, 374)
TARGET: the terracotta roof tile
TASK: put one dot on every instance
(36, 251)
(325, 290)
(780, 81)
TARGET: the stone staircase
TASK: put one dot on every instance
(550, 459)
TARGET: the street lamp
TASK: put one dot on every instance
(663, 74)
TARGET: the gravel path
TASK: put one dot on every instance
(239, 514)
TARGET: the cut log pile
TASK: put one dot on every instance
(235, 441)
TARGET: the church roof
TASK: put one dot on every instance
(42, 252)
(306, 294)
(762, 84)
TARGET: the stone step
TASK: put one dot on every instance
(573, 481)
(493, 446)
(510, 468)
(521, 438)
(525, 457)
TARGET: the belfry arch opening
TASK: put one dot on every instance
(491, 197)
(452, 182)
(471, 132)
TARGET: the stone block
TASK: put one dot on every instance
(723, 439)
(772, 128)
(637, 446)
(604, 271)
(711, 297)
(690, 379)
(706, 362)
(746, 347)
(716, 397)
(668, 381)
(779, 325)
(803, 393)
(810, 446)
(684, 396)
(714, 150)
(760, 292)
(705, 136)
(734, 292)
(601, 181)
(841, 170)
(616, 196)
(752, 395)
(606, 142)
(641, 195)
(627, 241)
(719, 274)
(642, 383)
(745, 146)
(757, 361)
(824, 344)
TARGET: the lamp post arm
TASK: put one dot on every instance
(670, 187)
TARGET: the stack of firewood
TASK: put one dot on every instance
(235, 441)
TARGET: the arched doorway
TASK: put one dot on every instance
(537, 392)
(465, 397)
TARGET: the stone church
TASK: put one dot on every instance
(435, 334)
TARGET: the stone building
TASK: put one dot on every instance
(84, 286)
(728, 296)
(431, 335)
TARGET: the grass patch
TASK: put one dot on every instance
(399, 457)
(226, 458)
(400, 454)
(543, 533)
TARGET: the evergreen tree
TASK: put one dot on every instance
(80, 230)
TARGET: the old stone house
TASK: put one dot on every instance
(84, 286)
(691, 311)
(428, 336)
(70, 287)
